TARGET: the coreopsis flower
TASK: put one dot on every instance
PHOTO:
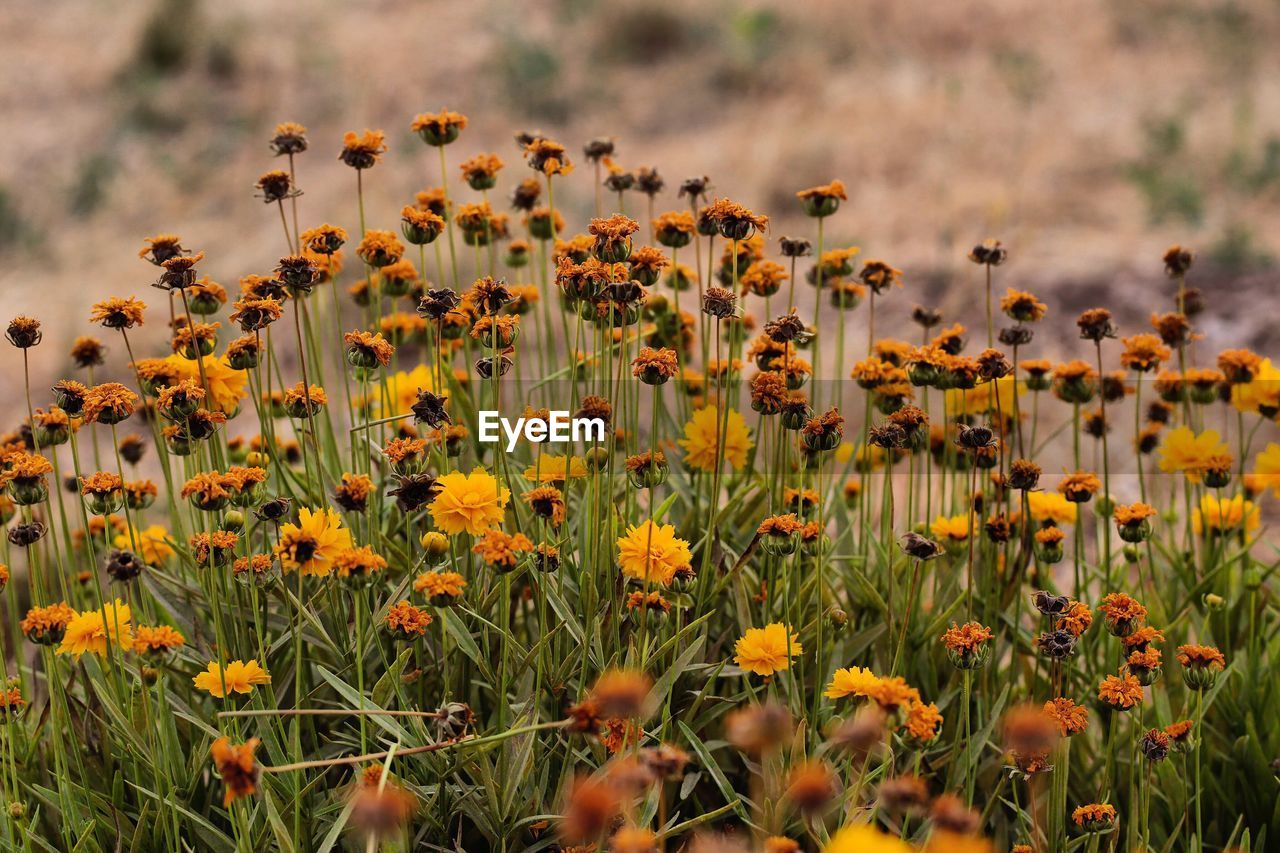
(1143, 352)
(238, 676)
(734, 221)
(254, 314)
(25, 475)
(1123, 613)
(311, 545)
(1075, 618)
(548, 468)
(1070, 718)
(990, 252)
(237, 767)
(1200, 665)
(276, 186)
(702, 439)
(438, 129)
(94, 630)
(765, 651)
(865, 838)
(1122, 692)
(108, 403)
(951, 529)
(470, 503)
(46, 626)
(1022, 307)
(1096, 324)
(103, 492)
(1095, 817)
(1221, 515)
(161, 248)
(1173, 328)
(548, 157)
(1133, 521)
(157, 641)
(362, 151)
(501, 551)
(361, 562)
(653, 553)
(592, 805)
(304, 401)
(118, 313)
(1079, 487)
(1051, 507)
(879, 276)
(823, 432)
(1177, 260)
(1179, 734)
(442, 589)
(1075, 382)
(1239, 366)
(24, 332)
(215, 548)
(380, 248)
(968, 646)
(822, 201)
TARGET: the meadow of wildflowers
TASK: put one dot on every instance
(846, 578)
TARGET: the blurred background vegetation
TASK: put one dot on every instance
(1086, 138)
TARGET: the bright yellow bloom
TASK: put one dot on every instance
(313, 543)
(226, 386)
(701, 436)
(980, 398)
(89, 632)
(653, 553)
(470, 503)
(152, 544)
(1184, 451)
(401, 391)
(1266, 468)
(767, 650)
(844, 452)
(864, 838)
(1263, 391)
(1051, 506)
(954, 529)
(1225, 514)
(854, 681)
(950, 841)
(238, 677)
(552, 469)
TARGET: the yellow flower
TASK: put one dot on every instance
(844, 452)
(88, 632)
(950, 841)
(954, 529)
(1263, 391)
(1225, 514)
(152, 544)
(701, 439)
(1051, 506)
(238, 677)
(864, 838)
(552, 469)
(767, 650)
(469, 502)
(1182, 450)
(401, 391)
(980, 398)
(313, 543)
(1266, 468)
(226, 386)
(653, 553)
(854, 681)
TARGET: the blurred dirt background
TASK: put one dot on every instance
(1088, 136)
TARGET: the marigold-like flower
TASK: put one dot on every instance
(501, 550)
(653, 553)
(156, 640)
(1070, 718)
(767, 650)
(237, 768)
(1121, 692)
(470, 503)
(701, 439)
(362, 151)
